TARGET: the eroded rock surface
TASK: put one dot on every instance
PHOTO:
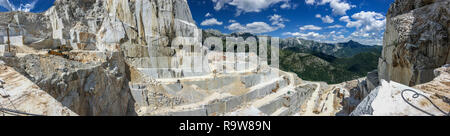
(416, 41)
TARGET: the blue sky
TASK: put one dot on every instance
(25, 5)
(320, 20)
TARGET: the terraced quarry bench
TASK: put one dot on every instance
(221, 94)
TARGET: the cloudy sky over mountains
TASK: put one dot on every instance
(321, 20)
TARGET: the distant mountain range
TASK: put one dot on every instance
(315, 61)
(340, 50)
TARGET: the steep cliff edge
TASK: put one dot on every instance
(416, 41)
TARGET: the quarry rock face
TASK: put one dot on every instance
(416, 41)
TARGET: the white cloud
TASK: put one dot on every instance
(208, 15)
(288, 5)
(367, 38)
(325, 19)
(277, 20)
(344, 19)
(308, 36)
(25, 7)
(310, 2)
(211, 21)
(220, 3)
(338, 7)
(369, 27)
(318, 16)
(335, 26)
(361, 34)
(336, 37)
(255, 27)
(310, 27)
(248, 5)
(366, 21)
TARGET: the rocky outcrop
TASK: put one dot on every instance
(394, 99)
(95, 88)
(20, 96)
(416, 41)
